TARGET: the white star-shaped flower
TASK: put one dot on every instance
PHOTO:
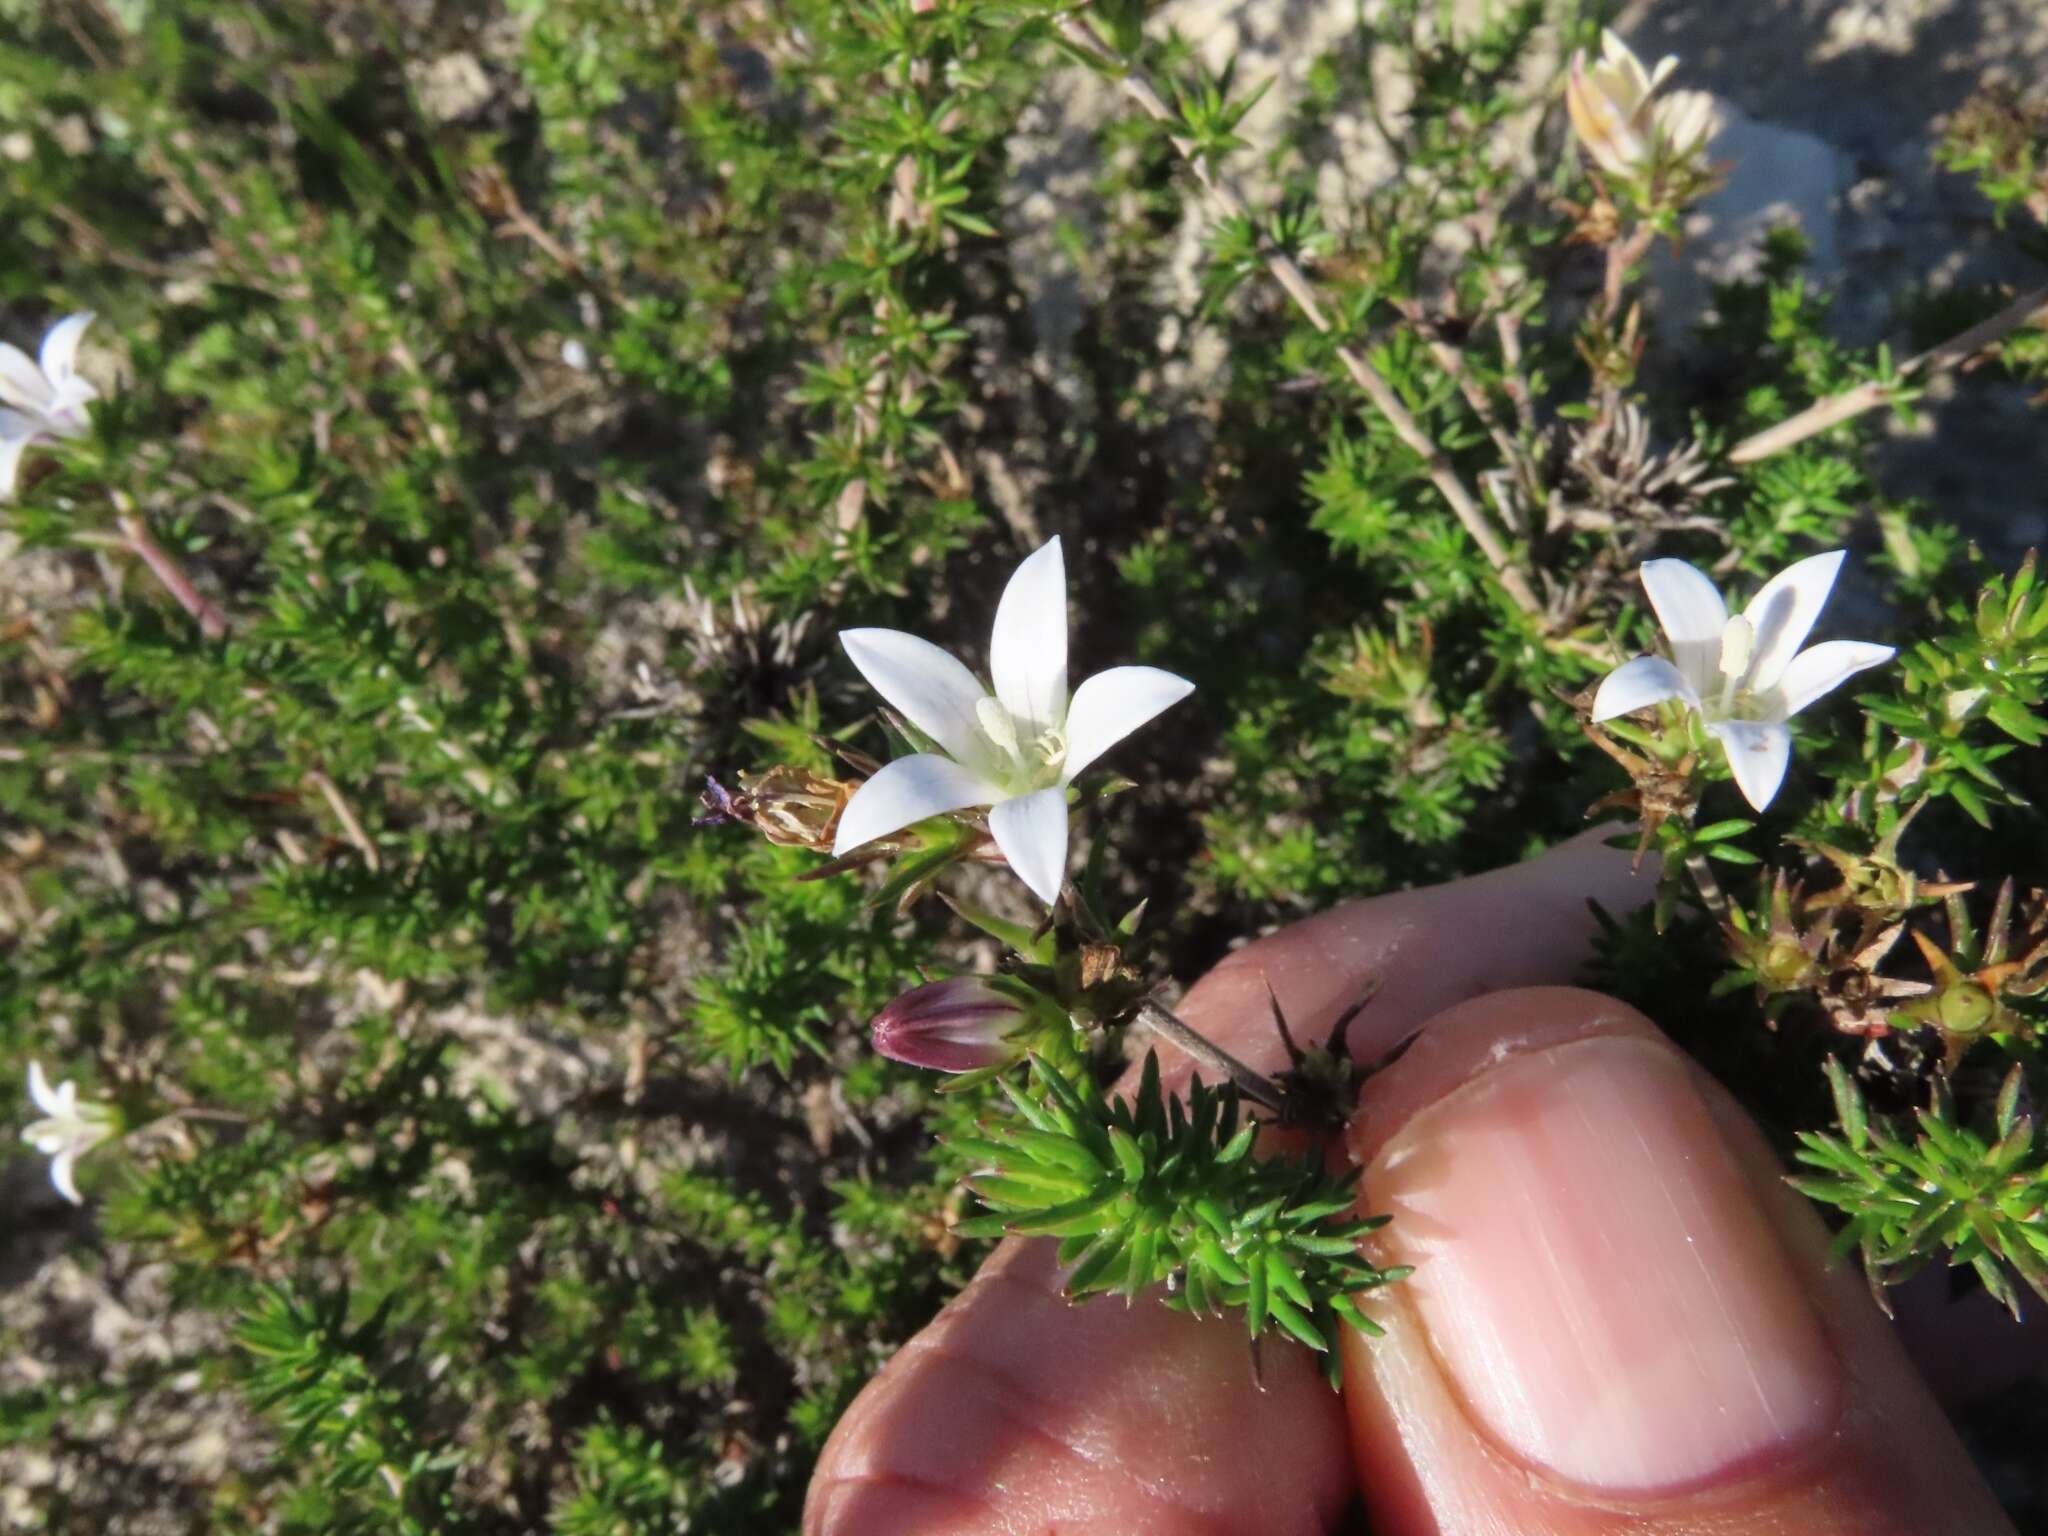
(73, 1128)
(1014, 748)
(1745, 675)
(1618, 116)
(43, 397)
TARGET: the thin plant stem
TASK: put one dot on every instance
(1703, 881)
(1508, 326)
(164, 566)
(1851, 403)
(1452, 361)
(345, 814)
(194, 1112)
(1255, 1086)
(1621, 256)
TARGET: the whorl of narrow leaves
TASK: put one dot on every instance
(1151, 1191)
(1982, 1197)
(319, 1378)
(1989, 667)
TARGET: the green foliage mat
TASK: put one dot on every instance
(526, 394)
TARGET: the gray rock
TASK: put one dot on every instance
(1775, 176)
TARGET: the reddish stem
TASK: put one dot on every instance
(164, 566)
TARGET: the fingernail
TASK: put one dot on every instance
(1595, 1276)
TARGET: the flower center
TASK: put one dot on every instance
(1027, 764)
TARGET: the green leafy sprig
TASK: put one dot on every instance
(1148, 1190)
(1980, 1194)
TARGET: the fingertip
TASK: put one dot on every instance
(1019, 1410)
(1620, 1318)
(1416, 953)
(885, 1506)
(1465, 1040)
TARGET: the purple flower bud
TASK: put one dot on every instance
(957, 1025)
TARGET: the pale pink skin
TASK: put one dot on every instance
(1016, 1413)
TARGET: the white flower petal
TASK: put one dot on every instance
(21, 382)
(1110, 705)
(1821, 669)
(1638, 684)
(1691, 614)
(61, 1176)
(60, 348)
(67, 405)
(1619, 61)
(932, 690)
(11, 450)
(1601, 128)
(1032, 832)
(1028, 653)
(45, 1098)
(908, 790)
(1687, 120)
(1758, 752)
(1783, 612)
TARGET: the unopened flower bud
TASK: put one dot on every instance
(961, 1024)
(1620, 119)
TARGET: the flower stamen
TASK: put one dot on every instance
(1738, 652)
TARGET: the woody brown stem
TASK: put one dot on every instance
(164, 566)
(1622, 255)
(1508, 326)
(1851, 403)
(1452, 361)
(1703, 881)
(1295, 283)
(1255, 1086)
(351, 828)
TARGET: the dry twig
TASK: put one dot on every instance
(1851, 403)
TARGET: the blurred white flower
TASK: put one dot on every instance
(1618, 116)
(41, 398)
(73, 1128)
(1014, 749)
(1745, 675)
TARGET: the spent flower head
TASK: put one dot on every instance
(41, 397)
(72, 1128)
(1621, 121)
(1013, 748)
(1744, 675)
(790, 806)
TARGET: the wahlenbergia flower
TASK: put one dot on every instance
(73, 1128)
(1618, 116)
(1014, 748)
(42, 398)
(1745, 675)
(962, 1024)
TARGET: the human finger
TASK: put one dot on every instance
(1018, 1412)
(1621, 1319)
